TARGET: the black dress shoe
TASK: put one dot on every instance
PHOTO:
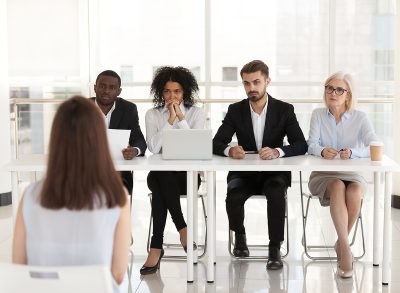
(274, 259)
(151, 270)
(240, 249)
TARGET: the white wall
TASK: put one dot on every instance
(43, 38)
(396, 134)
(5, 147)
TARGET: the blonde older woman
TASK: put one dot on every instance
(340, 131)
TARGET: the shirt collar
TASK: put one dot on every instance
(111, 110)
(345, 116)
(264, 110)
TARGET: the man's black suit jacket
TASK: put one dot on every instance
(280, 121)
(125, 116)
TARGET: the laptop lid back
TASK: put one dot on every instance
(187, 144)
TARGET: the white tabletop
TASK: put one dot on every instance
(37, 163)
(250, 163)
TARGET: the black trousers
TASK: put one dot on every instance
(127, 180)
(274, 186)
(166, 188)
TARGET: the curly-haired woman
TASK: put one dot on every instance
(175, 91)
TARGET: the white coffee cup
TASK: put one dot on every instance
(376, 149)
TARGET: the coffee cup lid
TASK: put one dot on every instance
(376, 143)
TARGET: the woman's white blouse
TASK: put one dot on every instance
(157, 120)
(354, 131)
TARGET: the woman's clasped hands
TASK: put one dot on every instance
(331, 153)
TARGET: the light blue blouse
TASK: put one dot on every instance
(354, 131)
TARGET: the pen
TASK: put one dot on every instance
(251, 152)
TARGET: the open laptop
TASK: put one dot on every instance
(186, 144)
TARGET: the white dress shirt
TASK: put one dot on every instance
(258, 121)
(354, 132)
(157, 120)
(107, 119)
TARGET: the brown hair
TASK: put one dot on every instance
(254, 66)
(80, 171)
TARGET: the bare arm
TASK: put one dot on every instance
(19, 241)
(121, 244)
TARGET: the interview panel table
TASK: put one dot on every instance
(250, 163)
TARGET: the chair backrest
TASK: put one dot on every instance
(77, 279)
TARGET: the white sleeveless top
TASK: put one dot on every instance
(67, 237)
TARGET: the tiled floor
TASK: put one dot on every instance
(298, 275)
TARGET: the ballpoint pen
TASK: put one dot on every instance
(251, 152)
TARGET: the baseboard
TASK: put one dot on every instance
(5, 199)
(395, 201)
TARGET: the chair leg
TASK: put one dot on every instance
(230, 242)
(195, 221)
(362, 236)
(205, 230)
(287, 229)
(150, 225)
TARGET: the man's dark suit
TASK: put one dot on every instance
(125, 116)
(280, 122)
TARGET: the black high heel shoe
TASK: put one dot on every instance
(151, 270)
(194, 247)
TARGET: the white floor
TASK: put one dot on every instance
(298, 275)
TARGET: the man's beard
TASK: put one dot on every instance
(254, 97)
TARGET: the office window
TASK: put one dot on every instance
(229, 73)
(196, 72)
(359, 34)
(149, 34)
(291, 37)
(384, 64)
(301, 42)
(385, 7)
(126, 73)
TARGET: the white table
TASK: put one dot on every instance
(251, 163)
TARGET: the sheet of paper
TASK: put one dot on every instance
(118, 139)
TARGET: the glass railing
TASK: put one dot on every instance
(31, 119)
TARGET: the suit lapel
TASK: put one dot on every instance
(248, 124)
(116, 115)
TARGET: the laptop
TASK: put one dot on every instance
(186, 144)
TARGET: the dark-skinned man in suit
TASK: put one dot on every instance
(120, 114)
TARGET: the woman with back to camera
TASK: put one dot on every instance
(79, 213)
(338, 130)
(174, 90)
